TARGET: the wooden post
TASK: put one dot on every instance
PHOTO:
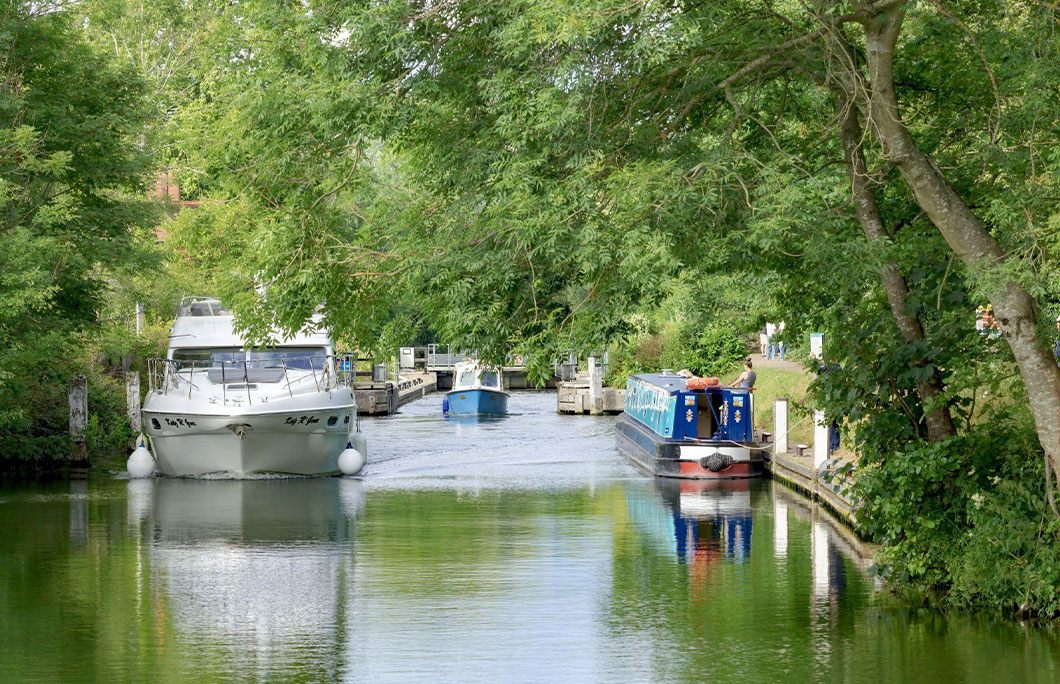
(132, 399)
(596, 387)
(780, 426)
(78, 398)
(820, 440)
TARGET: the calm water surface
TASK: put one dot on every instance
(517, 549)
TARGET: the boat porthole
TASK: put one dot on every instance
(155, 424)
(345, 420)
(333, 420)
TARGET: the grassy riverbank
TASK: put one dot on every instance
(777, 379)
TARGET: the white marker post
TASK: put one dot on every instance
(780, 426)
(820, 440)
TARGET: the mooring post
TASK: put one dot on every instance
(820, 440)
(132, 399)
(78, 399)
(780, 426)
(596, 387)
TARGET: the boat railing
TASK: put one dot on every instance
(326, 373)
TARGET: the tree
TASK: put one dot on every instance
(71, 179)
(963, 230)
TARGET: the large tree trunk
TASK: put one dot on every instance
(936, 413)
(963, 231)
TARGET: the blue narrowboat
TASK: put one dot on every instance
(689, 427)
(476, 391)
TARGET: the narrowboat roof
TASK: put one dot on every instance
(673, 383)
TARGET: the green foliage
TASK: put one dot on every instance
(70, 175)
(965, 521)
(710, 350)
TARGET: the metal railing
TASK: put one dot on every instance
(436, 358)
(176, 375)
(446, 359)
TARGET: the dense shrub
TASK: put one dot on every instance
(964, 522)
(710, 349)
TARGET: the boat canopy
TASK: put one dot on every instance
(471, 375)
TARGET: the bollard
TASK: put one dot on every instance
(780, 426)
(820, 440)
(78, 400)
(132, 399)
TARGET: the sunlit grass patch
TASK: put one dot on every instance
(773, 383)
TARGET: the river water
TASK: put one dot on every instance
(517, 549)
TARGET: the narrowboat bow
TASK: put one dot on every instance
(689, 427)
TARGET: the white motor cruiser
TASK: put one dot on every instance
(216, 406)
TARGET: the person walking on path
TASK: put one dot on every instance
(747, 378)
(771, 330)
(763, 341)
(780, 342)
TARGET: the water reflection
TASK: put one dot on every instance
(699, 521)
(521, 550)
(255, 567)
(78, 512)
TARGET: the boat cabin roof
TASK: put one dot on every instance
(203, 322)
(672, 383)
(472, 374)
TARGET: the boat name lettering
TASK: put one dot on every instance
(303, 420)
(180, 422)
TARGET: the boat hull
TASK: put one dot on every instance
(477, 402)
(302, 441)
(689, 459)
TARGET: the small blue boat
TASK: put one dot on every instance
(689, 428)
(476, 391)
